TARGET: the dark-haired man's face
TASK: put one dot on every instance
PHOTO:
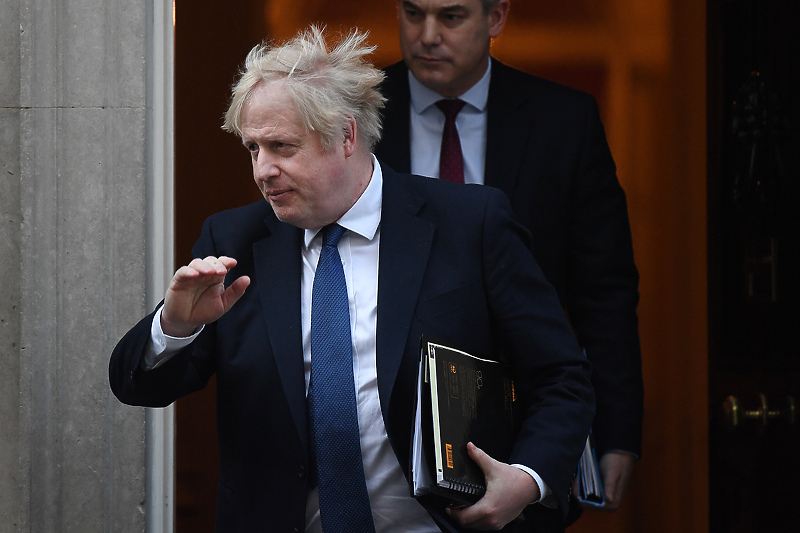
(445, 43)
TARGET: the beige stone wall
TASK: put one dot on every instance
(72, 261)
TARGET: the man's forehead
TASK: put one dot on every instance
(270, 108)
(441, 5)
(268, 97)
(271, 89)
(272, 125)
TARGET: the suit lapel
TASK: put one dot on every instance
(277, 264)
(509, 122)
(405, 245)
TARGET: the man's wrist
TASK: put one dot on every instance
(544, 490)
(635, 456)
(174, 331)
(162, 346)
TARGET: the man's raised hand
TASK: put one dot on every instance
(197, 295)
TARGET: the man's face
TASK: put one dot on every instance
(445, 43)
(306, 185)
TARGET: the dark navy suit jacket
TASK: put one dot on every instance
(453, 264)
(546, 150)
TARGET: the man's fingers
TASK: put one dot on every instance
(613, 493)
(185, 272)
(191, 278)
(235, 291)
(481, 458)
(227, 262)
(616, 469)
(508, 491)
(212, 265)
(213, 268)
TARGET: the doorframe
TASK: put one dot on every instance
(160, 229)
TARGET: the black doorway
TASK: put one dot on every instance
(754, 291)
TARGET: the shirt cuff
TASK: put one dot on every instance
(544, 490)
(162, 347)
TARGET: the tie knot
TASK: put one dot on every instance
(450, 107)
(331, 235)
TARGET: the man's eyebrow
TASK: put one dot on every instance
(271, 136)
(412, 6)
(456, 6)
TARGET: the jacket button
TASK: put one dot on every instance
(301, 472)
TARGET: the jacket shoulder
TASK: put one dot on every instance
(440, 194)
(233, 228)
(509, 83)
(239, 217)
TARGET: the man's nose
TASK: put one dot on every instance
(431, 35)
(264, 165)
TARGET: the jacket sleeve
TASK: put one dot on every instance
(187, 371)
(553, 376)
(602, 291)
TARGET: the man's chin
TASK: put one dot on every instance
(435, 79)
(288, 215)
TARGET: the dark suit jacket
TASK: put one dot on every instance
(546, 149)
(453, 264)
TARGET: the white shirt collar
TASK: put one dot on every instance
(365, 215)
(476, 96)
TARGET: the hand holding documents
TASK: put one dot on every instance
(460, 398)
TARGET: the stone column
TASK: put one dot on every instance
(73, 258)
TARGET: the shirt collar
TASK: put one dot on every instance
(365, 215)
(476, 96)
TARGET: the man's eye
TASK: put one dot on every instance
(452, 19)
(413, 15)
(252, 147)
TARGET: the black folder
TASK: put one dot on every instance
(461, 398)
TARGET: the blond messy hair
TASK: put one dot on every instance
(328, 87)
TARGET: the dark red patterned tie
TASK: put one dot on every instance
(451, 162)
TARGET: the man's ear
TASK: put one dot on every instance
(350, 136)
(497, 18)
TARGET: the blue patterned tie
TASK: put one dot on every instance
(333, 419)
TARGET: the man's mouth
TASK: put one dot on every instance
(430, 59)
(277, 194)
